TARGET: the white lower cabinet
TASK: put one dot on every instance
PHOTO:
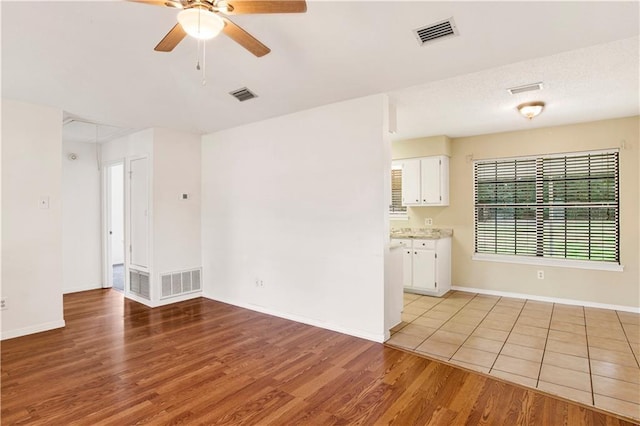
(426, 266)
(424, 270)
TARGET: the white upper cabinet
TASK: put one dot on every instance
(425, 181)
(411, 183)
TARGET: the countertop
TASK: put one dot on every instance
(422, 233)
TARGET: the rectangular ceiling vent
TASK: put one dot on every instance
(525, 88)
(243, 94)
(437, 31)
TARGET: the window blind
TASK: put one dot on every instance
(549, 206)
(396, 192)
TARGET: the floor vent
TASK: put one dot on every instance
(180, 282)
(243, 94)
(525, 88)
(437, 31)
(139, 283)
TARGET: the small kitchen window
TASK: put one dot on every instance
(396, 210)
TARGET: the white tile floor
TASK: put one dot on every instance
(584, 354)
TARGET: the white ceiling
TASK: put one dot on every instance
(95, 60)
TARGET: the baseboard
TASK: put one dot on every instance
(163, 302)
(79, 289)
(180, 298)
(142, 300)
(585, 303)
(379, 338)
(32, 329)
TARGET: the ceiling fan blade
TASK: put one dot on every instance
(241, 7)
(165, 3)
(245, 39)
(171, 40)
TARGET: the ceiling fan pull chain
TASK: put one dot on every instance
(204, 63)
(198, 55)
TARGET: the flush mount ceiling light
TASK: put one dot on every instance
(200, 23)
(531, 109)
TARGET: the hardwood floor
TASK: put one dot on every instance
(204, 362)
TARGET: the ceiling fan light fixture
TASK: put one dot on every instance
(531, 109)
(200, 23)
(223, 6)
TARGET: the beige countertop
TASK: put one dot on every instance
(422, 233)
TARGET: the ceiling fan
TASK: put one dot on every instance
(204, 19)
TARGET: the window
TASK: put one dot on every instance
(396, 209)
(561, 206)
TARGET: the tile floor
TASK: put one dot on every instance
(584, 354)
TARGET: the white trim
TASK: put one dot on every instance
(379, 338)
(139, 299)
(181, 298)
(38, 328)
(553, 155)
(585, 303)
(105, 217)
(398, 216)
(82, 288)
(546, 261)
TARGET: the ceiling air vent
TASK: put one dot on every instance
(437, 31)
(243, 94)
(525, 88)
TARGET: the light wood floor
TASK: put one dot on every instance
(203, 362)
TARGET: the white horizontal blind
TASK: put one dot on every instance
(396, 193)
(549, 206)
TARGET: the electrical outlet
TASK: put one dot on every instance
(259, 283)
(541, 275)
(428, 221)
(3, 303)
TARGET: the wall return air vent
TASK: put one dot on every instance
(437, 31)
(243, 94)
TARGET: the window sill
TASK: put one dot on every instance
(561, 263)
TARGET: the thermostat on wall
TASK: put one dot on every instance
(184, 196)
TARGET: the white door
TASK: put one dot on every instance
(411, 182)
(407, 274)
(424, 269)
(139, 212)
(430, 180)
(114, 213)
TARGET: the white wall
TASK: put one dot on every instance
(174, 159)
(620, 289)
(81, 243)
(176, 224)
(299, 202)
(31, 236)
(133, 145)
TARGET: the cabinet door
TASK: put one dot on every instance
(411, 183)
(424, 269)
(431, 180)
(407, 273)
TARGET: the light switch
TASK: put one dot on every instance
(43, 202)
(184, 196)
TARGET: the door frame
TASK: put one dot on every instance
(107, 272)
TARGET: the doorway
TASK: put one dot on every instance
(114, 212)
